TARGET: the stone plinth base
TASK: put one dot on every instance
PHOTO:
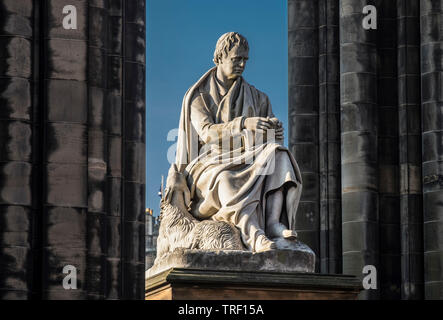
(194, 284)
(296, 257)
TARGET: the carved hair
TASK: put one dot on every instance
(226, 42)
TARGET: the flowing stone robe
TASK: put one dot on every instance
(230, 171)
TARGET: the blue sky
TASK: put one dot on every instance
(181, 37)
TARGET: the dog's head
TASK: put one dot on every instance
(175, 178)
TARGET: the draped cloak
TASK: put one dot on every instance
(229, 171)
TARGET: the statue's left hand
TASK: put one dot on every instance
(277, 123)
(279, 130)
(279, 134)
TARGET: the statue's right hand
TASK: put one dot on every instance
(258, 123)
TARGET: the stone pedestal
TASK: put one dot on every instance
(195, 284)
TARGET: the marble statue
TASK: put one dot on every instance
(233, 185)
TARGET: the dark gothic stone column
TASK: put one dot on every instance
(358, 89)
(65, 149)
(303, 114)
(113, 286)
(16, 154)
(431, 20)
(329, 135)
(388, 152)
(133, 222)
(411, 204)
(72, 140)
(96, 271)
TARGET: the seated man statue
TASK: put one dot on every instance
(235, 171)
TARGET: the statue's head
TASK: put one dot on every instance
(231, 54)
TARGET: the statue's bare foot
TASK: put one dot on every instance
(278, 230)
(264, 244)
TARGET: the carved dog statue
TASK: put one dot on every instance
(179, 229)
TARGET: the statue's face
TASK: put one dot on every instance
(233, 65)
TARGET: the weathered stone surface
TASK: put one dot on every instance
(293, 257)
(431, 44)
